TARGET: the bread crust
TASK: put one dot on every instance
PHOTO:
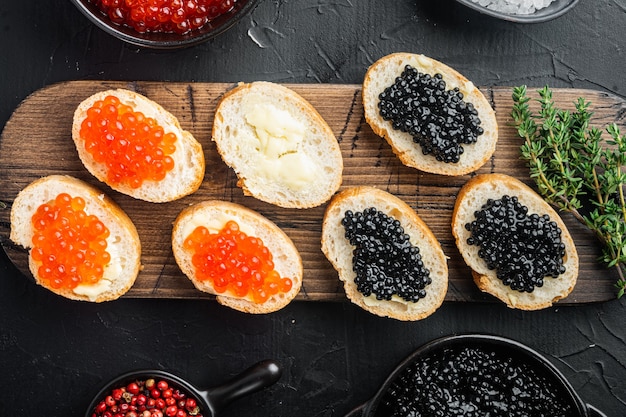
(383, 73)
(123, 243)
(471, 197)
(287, 260)
(236, 142)
(339, 251)
(188, 172)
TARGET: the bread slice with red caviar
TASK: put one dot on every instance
(182, 179)
(214, 216)
(122, 243)
(471, 198)
(384, 72)
(281, 149)
(340, 252)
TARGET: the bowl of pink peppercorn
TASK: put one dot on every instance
(165, 24)
(157, 393)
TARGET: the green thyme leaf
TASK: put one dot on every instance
(576, 169)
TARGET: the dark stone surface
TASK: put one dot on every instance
(55, 353)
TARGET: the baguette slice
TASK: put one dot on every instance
(122, 244)
(188, 171)
(472, 196)
(339, 251)
(214, 214)
(281, 149)
(383, 73)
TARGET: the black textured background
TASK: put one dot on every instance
(54, 353)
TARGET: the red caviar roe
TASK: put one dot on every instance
(179, 16)
(68, 244)
(133, 147)
(235, 263)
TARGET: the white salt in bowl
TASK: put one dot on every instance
(555, 9)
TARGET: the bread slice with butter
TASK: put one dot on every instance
(383, 73)
(214, 215)
(281, 149)
(123, 243)
(340, 253)
(471, 198)
(189, 165)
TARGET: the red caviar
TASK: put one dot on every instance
(235, 262)
(179, 16)
(133, 147)
(68, 244)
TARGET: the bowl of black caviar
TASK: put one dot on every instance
(476, 375)
(521, 11)
(165, 24)
(155, 392)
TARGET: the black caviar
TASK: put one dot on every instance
(523, 249)
(439, 120)
(473, 382)
(385, 261)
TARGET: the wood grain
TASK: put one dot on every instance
(36, 141)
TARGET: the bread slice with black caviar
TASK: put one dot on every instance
(471, 199)
(383, 74)
(340, 252)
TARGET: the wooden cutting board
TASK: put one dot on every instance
(36, 142)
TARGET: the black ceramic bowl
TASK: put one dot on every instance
(210, 401)
(554, 10)
(167, 40)
(517, 353)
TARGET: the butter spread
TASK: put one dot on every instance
(373, 302)
(92, 291)
(295, 170)
(214, 223)
(111, 271)
(425, 65)
(280, 138)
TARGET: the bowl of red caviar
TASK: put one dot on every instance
(165, 24)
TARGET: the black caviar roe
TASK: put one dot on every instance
(522, 249)
(385, 261)
(473, 382)
(439, 120)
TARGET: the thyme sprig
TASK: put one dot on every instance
(577, 170)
